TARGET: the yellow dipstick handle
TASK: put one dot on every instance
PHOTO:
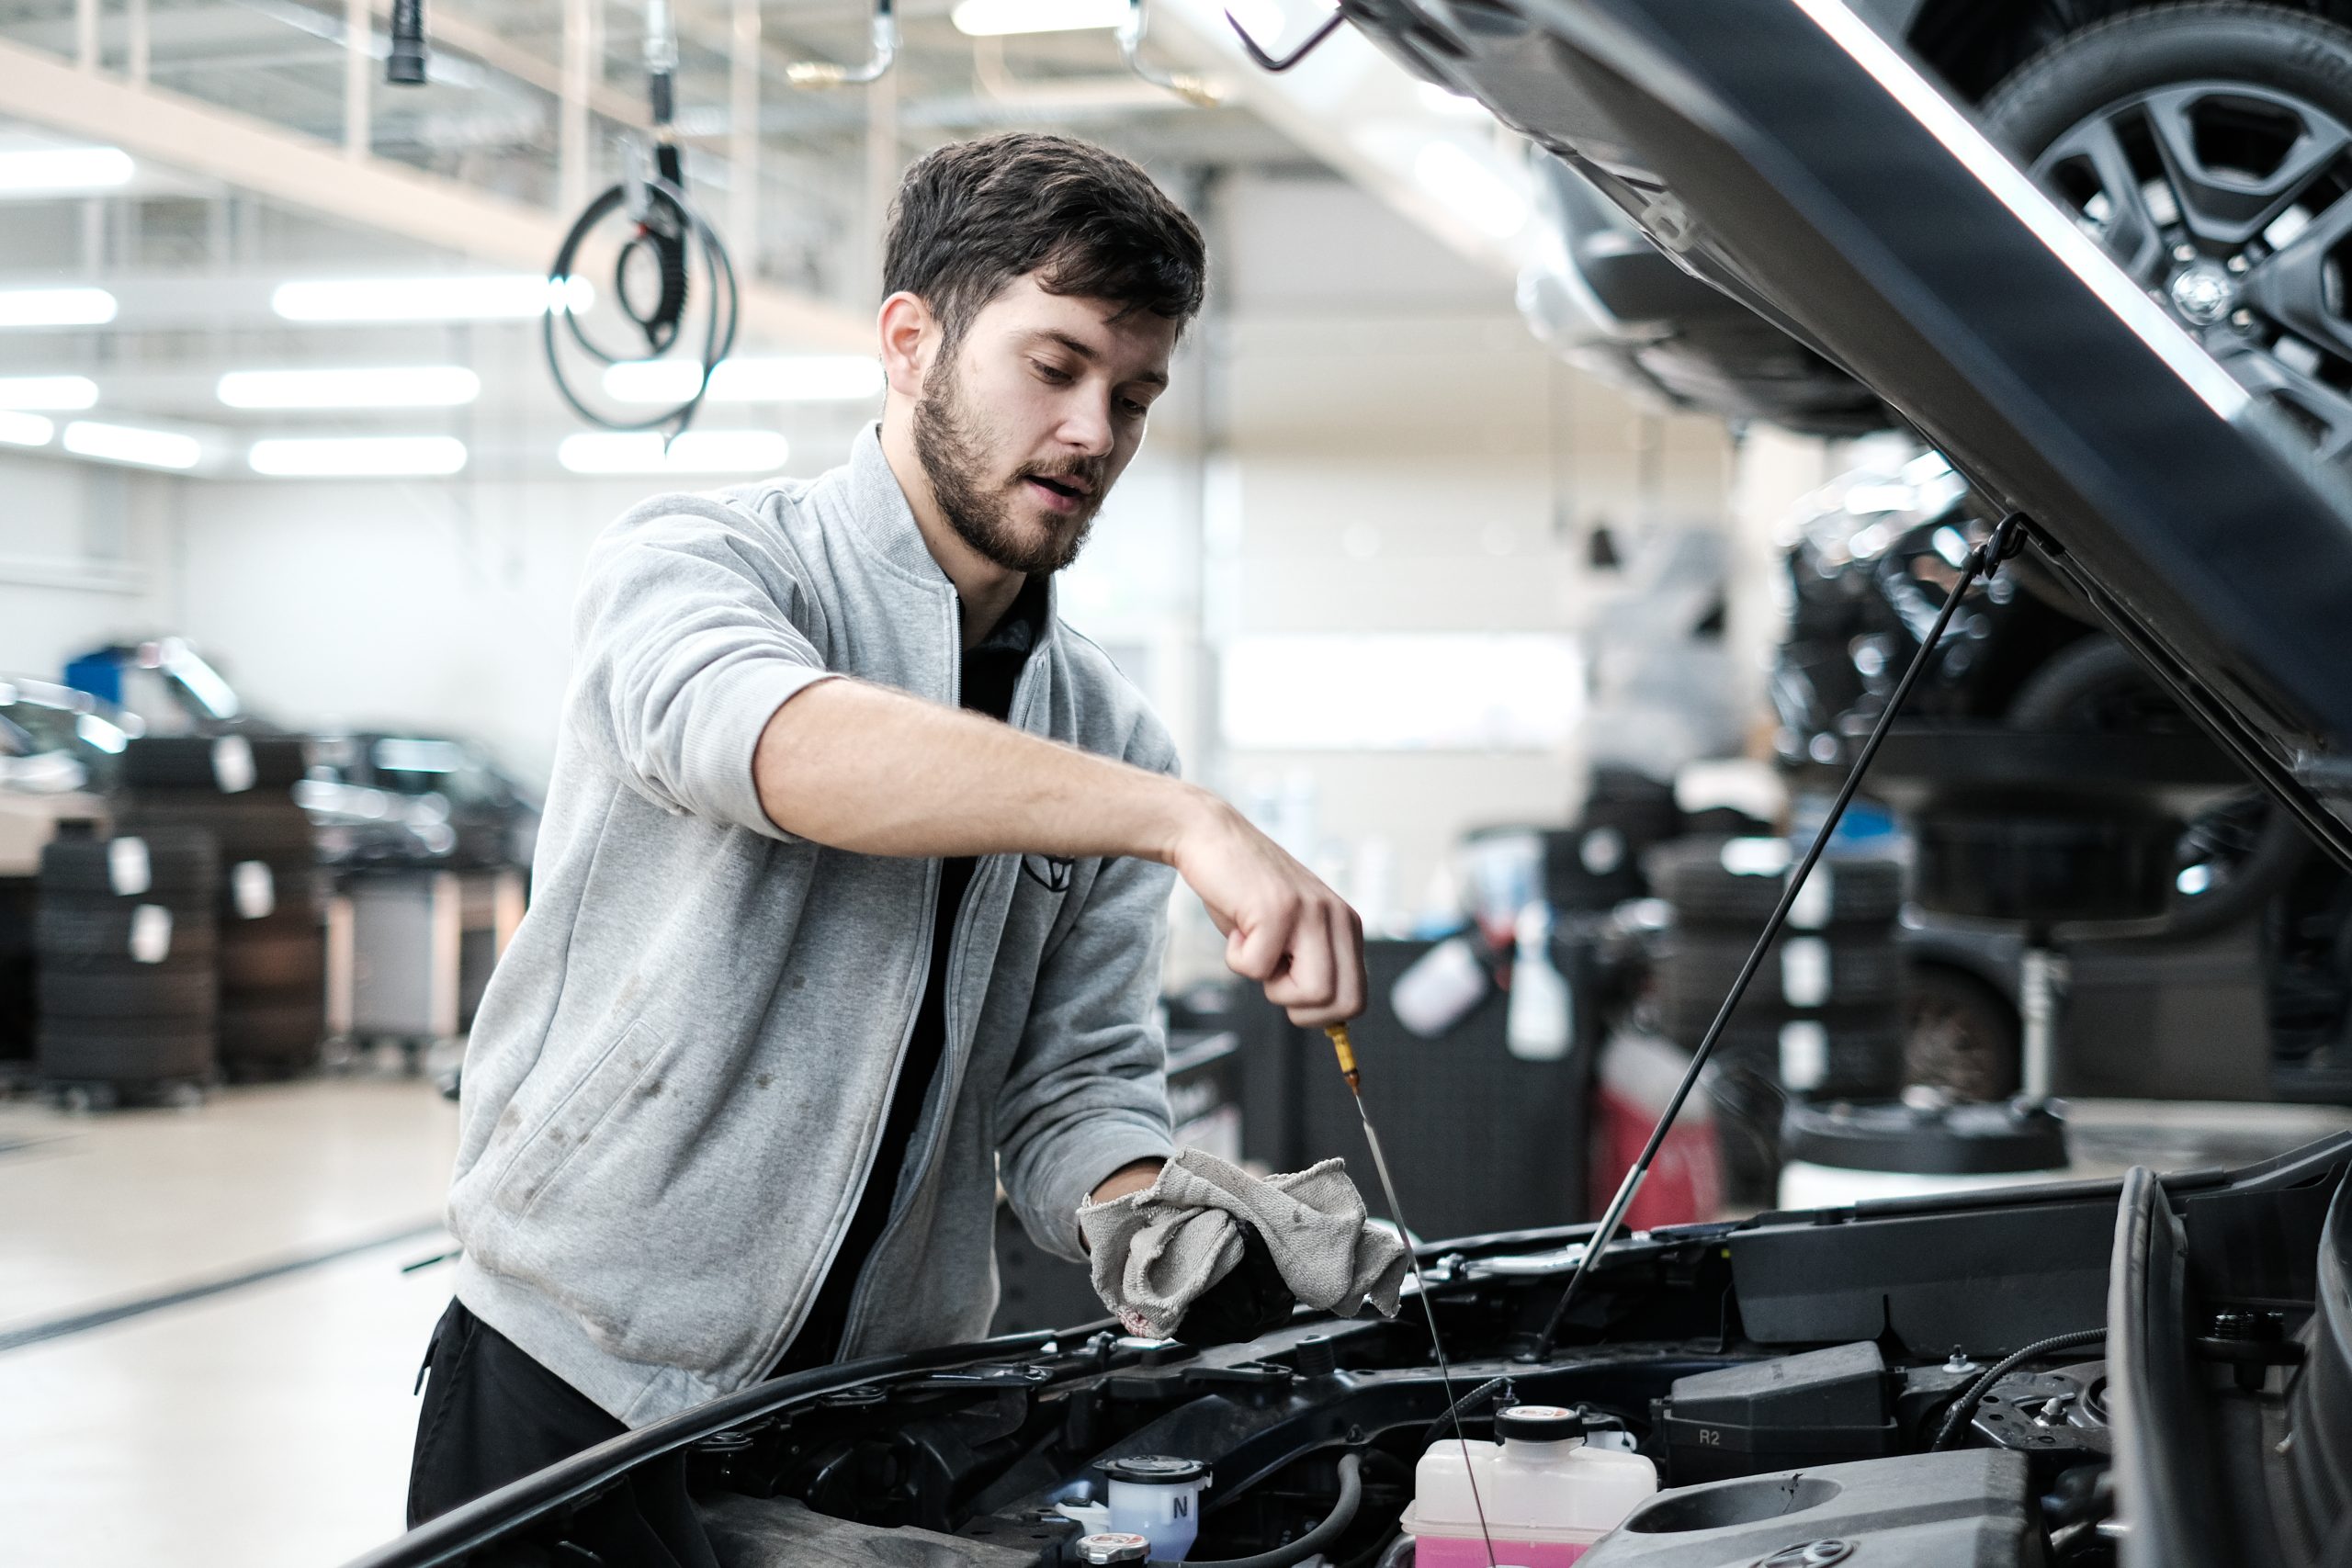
(1346, 1054)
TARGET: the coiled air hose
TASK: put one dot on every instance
(1342, 1515)
(664, 229)
(675, 228)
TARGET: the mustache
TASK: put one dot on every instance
(1089, 469)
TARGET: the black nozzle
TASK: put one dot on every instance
(405, 67)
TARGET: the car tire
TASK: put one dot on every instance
(197, 762)
(1859, 974)
(2097, 684)
(272, 960)
(90, 928)
(135, 990)
(1857, 1061)
(1690, 874)
(114, 1051)
(179, 864)
(2279, 75)
(263, 825)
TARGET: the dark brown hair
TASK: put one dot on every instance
(972, 216)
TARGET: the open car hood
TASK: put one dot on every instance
(1787, 153)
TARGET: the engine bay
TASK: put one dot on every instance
(1920, 1381)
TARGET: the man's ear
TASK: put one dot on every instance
(910, 336)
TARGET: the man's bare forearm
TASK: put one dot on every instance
(865, 768)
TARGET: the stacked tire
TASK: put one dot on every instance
(272, 957)
(125, 946)
(1597, 864)
(19, 902)
(1822, 1017)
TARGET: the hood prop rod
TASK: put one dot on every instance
(2007, 539)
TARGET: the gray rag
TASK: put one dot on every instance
(1153, 1253)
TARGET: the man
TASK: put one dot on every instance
(814, 958)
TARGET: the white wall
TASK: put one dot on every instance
(1399, 455)
(442, 606)
(1363, 437)
(87, 556)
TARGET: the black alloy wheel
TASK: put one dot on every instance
(2209, 148)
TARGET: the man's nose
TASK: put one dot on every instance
(1086, 424)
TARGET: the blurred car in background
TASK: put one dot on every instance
(2207, 147)
(166, 684)
(2255, 941)
(380, 799)
(55, 739)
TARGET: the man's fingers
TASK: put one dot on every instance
(1338, 935)
(1255, 952)
(1348, 994)
(1314, 967)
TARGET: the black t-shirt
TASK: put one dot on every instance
(989, 672)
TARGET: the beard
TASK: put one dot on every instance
(958, 448)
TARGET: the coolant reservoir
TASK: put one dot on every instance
(1548, 1494)
(1157, 1496)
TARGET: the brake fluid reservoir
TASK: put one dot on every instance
(1548, 1494)
(1158, 1496)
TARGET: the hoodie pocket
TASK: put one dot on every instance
(630, 1061)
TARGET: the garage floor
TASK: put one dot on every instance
(250, 1404)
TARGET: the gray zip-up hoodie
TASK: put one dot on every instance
(680, 1071)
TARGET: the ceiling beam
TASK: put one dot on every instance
(371, 192)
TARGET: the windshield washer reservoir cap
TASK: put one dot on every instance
(1112, 1546)
(1157, 1470)
(1539, 1423)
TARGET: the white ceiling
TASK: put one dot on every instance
(241, 116)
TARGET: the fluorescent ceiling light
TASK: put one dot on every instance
(503, 296)
(25, 429)
(398, 387)
(55, 307)
(47, 392)
(1471, 188)
(993, 18)
(48, 170)
(346, 457)
(130, 443)
(789, 378)
(695, 452)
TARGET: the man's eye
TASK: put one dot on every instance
(1132, 409)
(1051, 372)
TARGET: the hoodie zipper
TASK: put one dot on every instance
(903, 1203)
(798, 1319)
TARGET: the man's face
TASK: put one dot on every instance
(1023, 426)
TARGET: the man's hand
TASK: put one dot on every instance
(1283, 927)
(864, 768)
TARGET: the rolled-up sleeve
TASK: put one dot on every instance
(690, 634)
